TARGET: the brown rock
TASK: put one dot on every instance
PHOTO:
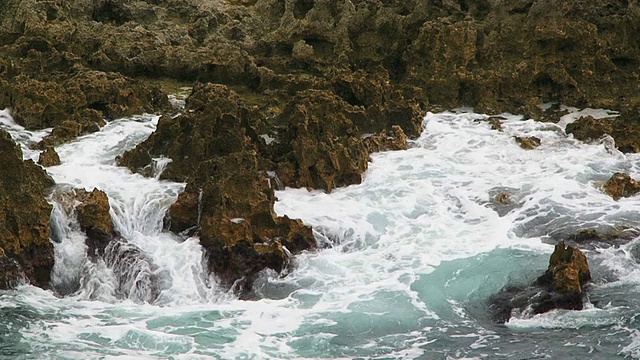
(24, 216)
(503, 198)
(49, 157)
(588, 128)
(321, 142)
(382, 141)
(95, 220)
(621, 185)
(91, 209)
(528, 142)
(496, 123)
(228, 199)
(561, 287)
(569, 268)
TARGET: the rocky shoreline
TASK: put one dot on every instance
(286, 93)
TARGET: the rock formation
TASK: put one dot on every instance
(624, 129)
(49, 157)
(24, 218)
(621, 185)
(91, 210)
(289, 88)
(560, 287)
(528, 142)
(229, 197)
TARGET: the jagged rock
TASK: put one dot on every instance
(24, 216)
(94, 219)
(382, 141)
(321, 147)
(568, 269)
(560, 287)
(227, 200)
(49, 157)
(528, 142)
(624, 129)
(621, 185)
(91, 210)
(588, 128)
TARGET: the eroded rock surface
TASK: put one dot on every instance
(24, 217)
(528, 142)
(621, 185)
(91, 210)
(229, 197)
(560, 287)
(49, 157)
(303, 81)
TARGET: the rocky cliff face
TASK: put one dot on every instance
(24, 218)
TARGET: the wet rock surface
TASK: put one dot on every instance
(91, 210)
(229, 197)
(621, 185)
(560, 287)
(290, 87)
(528, 142)
(624, 129)
(24, 217)
(49, 157)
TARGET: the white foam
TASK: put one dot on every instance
(415, 210)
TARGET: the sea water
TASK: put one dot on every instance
(407, 259)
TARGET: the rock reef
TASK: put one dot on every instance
(298, 93)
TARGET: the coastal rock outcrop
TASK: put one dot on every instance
(49, 157)
(24, 217)
(229, 198)
(624, 129)
(560, 287)
(91, 210)
(621, 185)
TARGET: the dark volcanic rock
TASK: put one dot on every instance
(560, 287)
(24, 216)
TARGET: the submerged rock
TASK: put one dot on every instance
(24, 217)
(560, 287)
(621, 185)
(49, 157)
(11, 274)
(135, 272)
(528, 142)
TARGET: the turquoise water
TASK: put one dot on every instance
(409, 260)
